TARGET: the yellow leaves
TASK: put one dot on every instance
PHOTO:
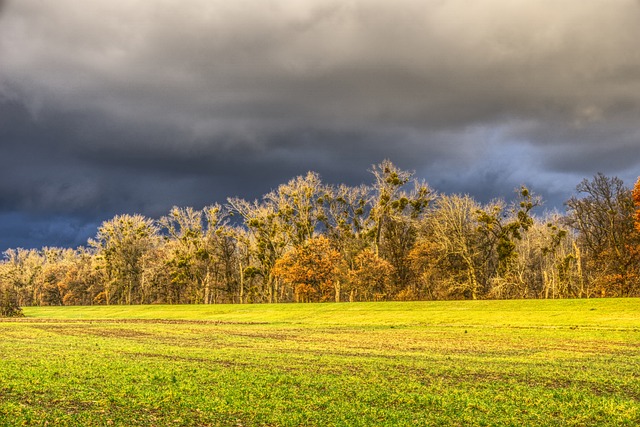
(370, 276)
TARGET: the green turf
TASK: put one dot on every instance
(569, 362)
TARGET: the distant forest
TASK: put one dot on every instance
(306, 241)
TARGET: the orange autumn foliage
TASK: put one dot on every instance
(636, 201)
(312, 271)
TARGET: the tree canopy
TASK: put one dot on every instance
(307, 241)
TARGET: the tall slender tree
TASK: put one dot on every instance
(124, 244)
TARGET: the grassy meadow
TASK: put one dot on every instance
(461, 363)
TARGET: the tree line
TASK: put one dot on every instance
(306, 241)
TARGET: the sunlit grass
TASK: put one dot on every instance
(571, 362)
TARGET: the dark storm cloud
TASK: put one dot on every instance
(27, 231)
(118, 106)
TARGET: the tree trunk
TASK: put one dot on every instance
(241, 282)
(579, 266)
(545, 277)
(207, 287)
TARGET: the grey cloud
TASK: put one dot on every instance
(212, 65)
(116, 106)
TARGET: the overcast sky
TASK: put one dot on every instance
(133, 106)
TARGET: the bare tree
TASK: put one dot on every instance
(267, 240)
(452, 226)
(123, 244)
(603, 216)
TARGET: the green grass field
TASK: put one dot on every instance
(520, 363)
